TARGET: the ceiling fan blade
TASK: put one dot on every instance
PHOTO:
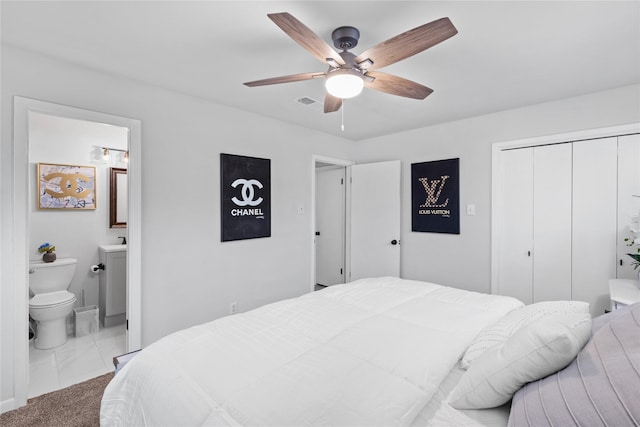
(395, 85)
(331, 103)
(306, 38)
(285, 79)
(408, 43)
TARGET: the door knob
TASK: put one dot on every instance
(394, 242)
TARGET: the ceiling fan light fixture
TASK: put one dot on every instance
(344, 83)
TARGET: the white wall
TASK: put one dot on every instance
(188, 275)
(74, 233)
(464, 260)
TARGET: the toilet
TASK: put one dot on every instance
(51, 302)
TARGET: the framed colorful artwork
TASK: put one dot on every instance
(66, 186)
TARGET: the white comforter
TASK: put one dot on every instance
(371, 352)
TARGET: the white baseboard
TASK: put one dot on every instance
(7, 405)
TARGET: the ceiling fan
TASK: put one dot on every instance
(348, 73)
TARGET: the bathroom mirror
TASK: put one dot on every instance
(117, 198)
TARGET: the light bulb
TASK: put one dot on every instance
(344, 83)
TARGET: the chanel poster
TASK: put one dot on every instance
(66, 187)
(435, 196)
(245, 197)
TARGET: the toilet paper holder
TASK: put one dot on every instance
(97, 268)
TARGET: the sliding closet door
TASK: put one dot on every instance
(628, 200)
(552, 222)
(594, 220)
(515, 274)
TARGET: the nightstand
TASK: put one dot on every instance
(623, 292)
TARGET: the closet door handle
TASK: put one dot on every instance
(528, 253)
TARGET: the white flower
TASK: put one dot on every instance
(634, 226)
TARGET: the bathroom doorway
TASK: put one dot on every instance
(53, 134)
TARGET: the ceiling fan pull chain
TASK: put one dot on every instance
(342, 112)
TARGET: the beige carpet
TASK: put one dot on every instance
(76, 406)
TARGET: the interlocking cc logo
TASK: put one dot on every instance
(68, 185)
(247, 192)
(432, 194)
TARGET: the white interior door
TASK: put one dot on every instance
(515, 257)
(628, 200)
(330, 226)
(375, 220)
(552, 172)
(594, 221)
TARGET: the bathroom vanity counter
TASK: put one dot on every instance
(114, 248)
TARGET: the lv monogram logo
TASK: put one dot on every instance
(432, 195)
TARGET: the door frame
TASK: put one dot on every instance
(496, 173)
(22, 107)
(347, 230)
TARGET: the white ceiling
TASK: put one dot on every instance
(507, 54)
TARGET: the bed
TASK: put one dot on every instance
(374, 352)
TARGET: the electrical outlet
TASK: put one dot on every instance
(234, 308)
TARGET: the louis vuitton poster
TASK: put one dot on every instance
(245, 197)
(435, 196)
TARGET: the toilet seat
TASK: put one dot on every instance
(51, 299)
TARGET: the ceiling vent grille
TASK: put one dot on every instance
(305, 100)
(314, 104)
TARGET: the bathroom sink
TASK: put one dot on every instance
(113, 248)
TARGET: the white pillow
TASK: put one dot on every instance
(535, 351)
(500, 331)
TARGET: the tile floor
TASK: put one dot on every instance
(77, 360)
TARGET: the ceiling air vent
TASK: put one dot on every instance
(306, 100)
(310, 102)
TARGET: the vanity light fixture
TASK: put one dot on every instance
(106, 152)
(110, 155)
